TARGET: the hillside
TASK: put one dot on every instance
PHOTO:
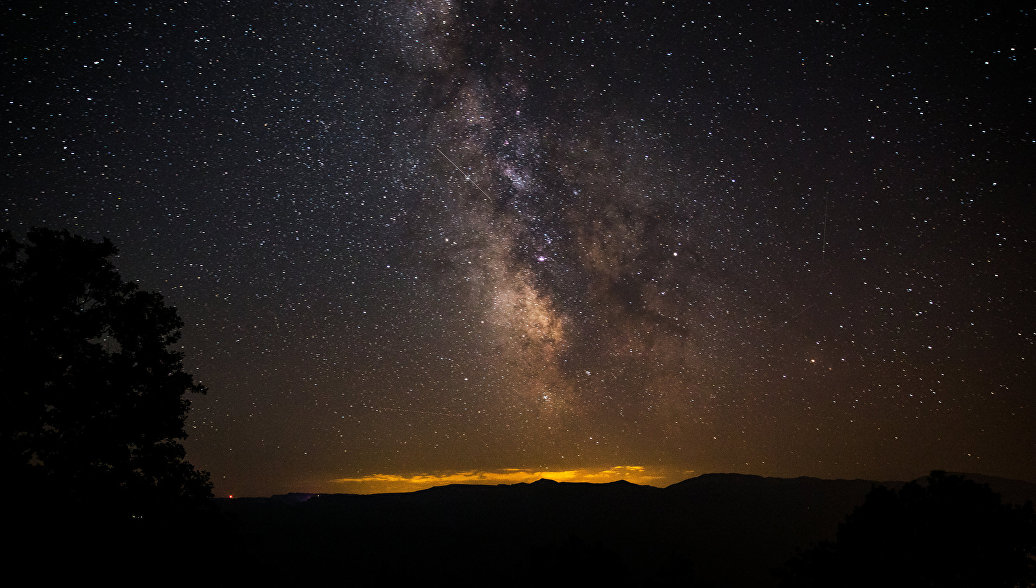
(712, 530)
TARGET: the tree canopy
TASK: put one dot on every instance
(943, 530)
(93, 401)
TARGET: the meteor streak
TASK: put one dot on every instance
(466, 176)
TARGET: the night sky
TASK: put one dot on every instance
(433, 241)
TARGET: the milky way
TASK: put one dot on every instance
(450, 241)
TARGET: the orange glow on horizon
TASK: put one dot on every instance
(379, 483)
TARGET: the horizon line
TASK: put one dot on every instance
(375, 484)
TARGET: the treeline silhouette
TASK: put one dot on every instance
(944, 531)
(92, 409)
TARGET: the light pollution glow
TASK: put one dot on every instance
(378, 483)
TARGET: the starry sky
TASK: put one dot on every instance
(416, 242)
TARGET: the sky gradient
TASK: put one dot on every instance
(436, 241)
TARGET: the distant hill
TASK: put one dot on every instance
(712, 530)
(1013, 491)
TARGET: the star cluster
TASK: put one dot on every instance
(421, 239)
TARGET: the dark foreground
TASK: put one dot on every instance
(714, 530)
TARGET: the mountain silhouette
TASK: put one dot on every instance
(713, 530)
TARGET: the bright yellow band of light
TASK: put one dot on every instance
(375, 483)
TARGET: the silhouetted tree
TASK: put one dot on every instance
(92, 406)
(944, 531)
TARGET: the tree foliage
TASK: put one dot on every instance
(93, 401)
(944, 530)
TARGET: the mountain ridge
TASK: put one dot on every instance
(715, 529)
(1012, 489)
